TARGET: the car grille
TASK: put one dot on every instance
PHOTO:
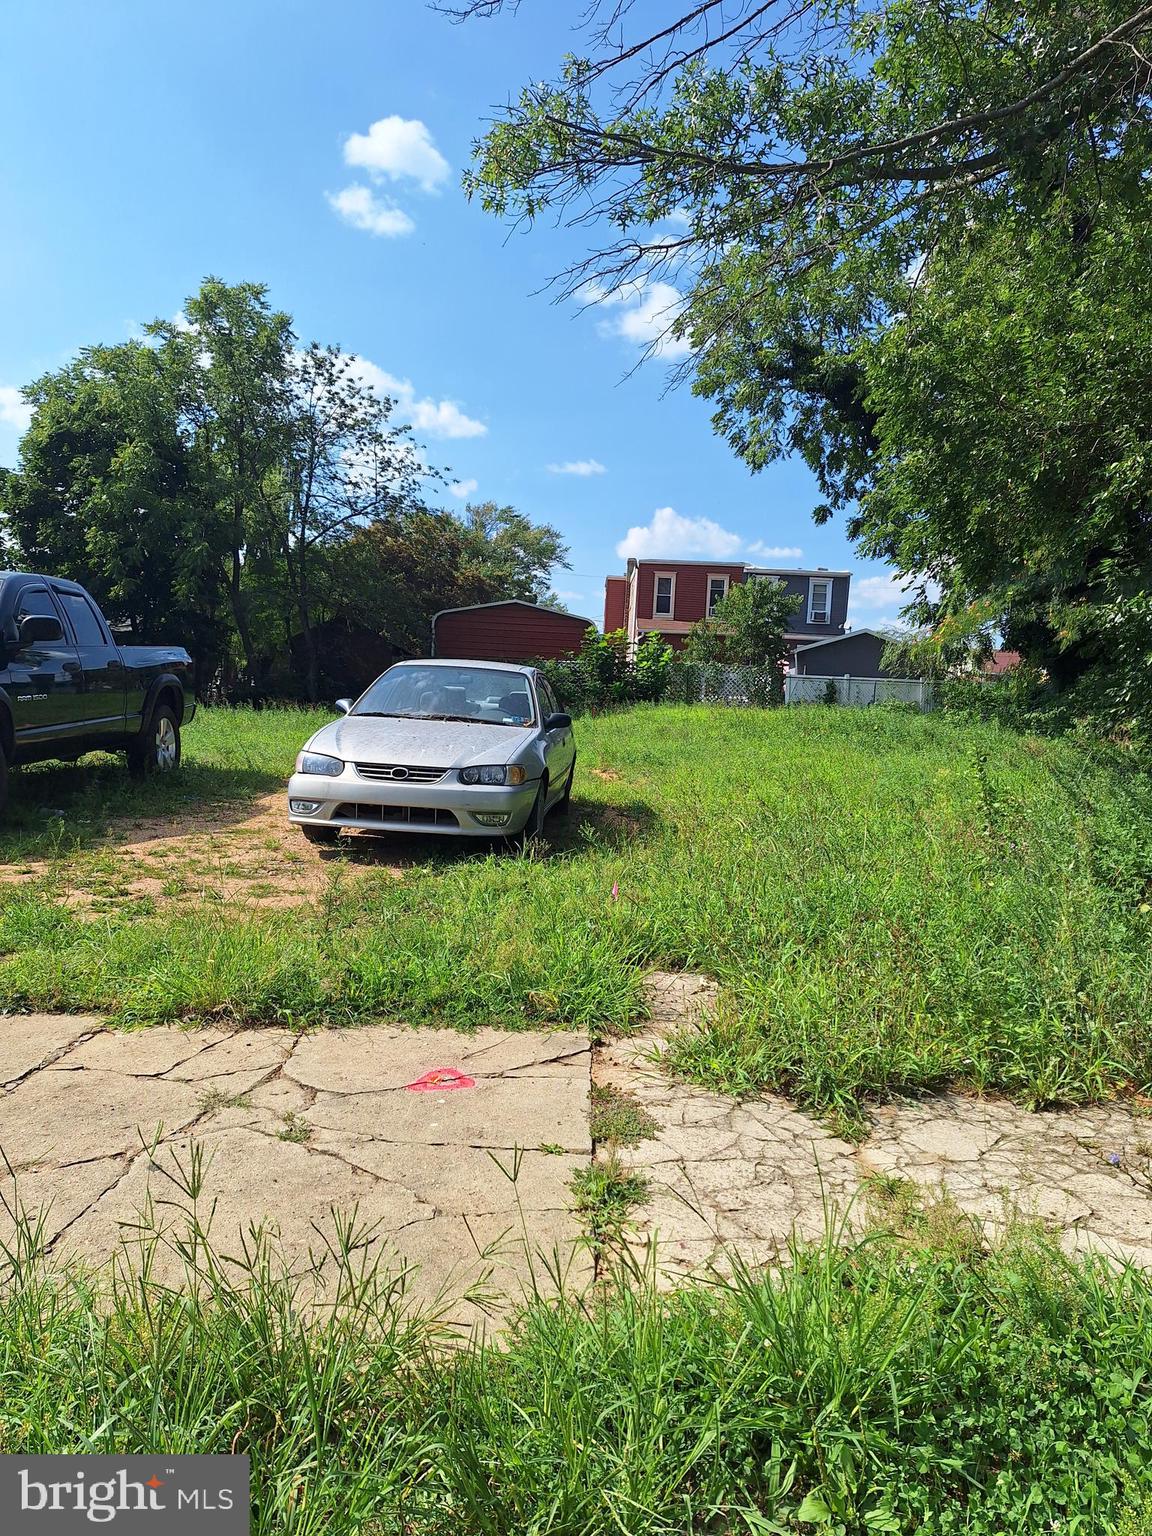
(399, 773)
(411, 815)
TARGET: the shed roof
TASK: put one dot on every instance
(514, 602)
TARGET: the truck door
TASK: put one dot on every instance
(45, 680)
(103, 682)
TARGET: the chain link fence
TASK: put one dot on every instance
(759, 687)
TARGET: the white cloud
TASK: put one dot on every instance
(578, 467)
(761, 551)
(359, 206)
(644, 312)
(670, 535)
(400, 149)
(878, 591)
(435, 418)
(462, 488)
(14, 409)
(873, 599)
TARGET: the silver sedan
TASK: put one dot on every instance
(467, 748)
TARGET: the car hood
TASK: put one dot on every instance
(419, 743)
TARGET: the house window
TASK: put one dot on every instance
(819, 601)
(665, 596)
(717, 590)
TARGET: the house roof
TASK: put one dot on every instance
(849, 634)
(514, 602)
(1000, 662)
(790, 570)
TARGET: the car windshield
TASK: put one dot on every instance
(412, 692)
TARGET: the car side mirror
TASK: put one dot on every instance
(39, 629)
(558, 721)
(344, 706)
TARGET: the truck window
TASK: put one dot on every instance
(85, 625)
(35, 600)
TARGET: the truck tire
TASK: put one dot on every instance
(157, 749)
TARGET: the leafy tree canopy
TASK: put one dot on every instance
(907, 240)
(222, 485)
(747, 626)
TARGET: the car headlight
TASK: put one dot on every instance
(494, 774)
(316, 762)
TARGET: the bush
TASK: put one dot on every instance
(603, 674)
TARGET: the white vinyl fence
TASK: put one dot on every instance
(855, 691)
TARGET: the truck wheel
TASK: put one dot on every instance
(158, 750)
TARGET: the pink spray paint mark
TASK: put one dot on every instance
(439, 1079)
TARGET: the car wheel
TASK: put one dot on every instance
(563, 805)
(321, 834)
(159, 751)
(534, 826)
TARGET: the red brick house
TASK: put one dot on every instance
(510, 630)
(669, 596)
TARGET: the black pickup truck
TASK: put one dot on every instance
(67, 688)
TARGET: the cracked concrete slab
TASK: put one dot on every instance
(298, 1125)
(462, 1185)
(143, 1052)
(498, 1112)
(28, 1041)
(51, 1198)
(70, 1116)
(743, 1178)
(375, 1058)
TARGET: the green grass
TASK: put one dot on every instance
(883, 1385)
(619, 1119)
(889, 901)
(605, 1194)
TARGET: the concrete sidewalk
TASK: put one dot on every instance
(456, 1182)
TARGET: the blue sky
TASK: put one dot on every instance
(150, 144)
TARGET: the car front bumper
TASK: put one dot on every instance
(446, 808)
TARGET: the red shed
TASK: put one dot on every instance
(511, 630)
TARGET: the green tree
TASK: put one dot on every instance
(747, 628)
(1014, 459)
(791, 165)
(233, 354)
(344, 465)
(396, 571)
(108, 493)
(507, 555)
(224, 486)
(876, 224)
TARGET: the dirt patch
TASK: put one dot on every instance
(609, 775)
(214, 854)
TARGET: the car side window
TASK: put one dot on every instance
(85, 625)
(35, 601)
(548, 698)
